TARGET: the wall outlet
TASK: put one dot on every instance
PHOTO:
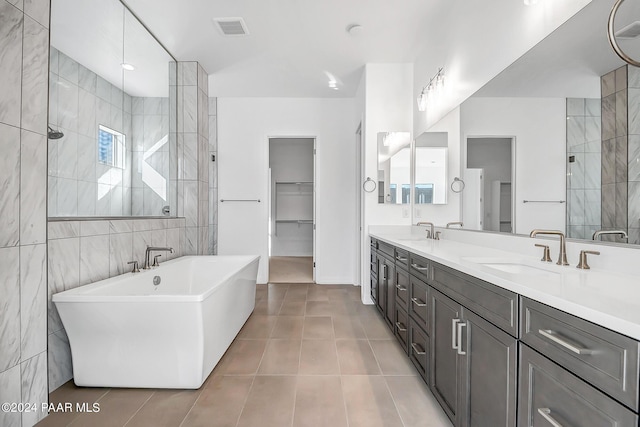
(418, 213)
(405, 213)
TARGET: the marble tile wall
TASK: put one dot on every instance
(152, 147)
(82, 252)
(213, 176)
(618, 109)
(193, 154)
(583, 167)
(80, 101)
(24, 53)
(633, 155)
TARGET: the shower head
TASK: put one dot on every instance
(54, 134)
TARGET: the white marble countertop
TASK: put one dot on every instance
(603, 297)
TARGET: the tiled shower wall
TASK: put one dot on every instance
(24, 53)
(82, 252)
(213, 176)
(193, 150)
(633, 154)
(583, 167)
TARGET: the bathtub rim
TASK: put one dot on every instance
(83, 294)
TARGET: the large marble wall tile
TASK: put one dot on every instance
(59, 357)
(67, 197)
(633, 97)
(87, 159)
(173, 241)
(633, 77)
(576, 207)
(191, 203)
(609, 117)
(609, 161)
(203, 114)
(87, 125)
(10, 391)
(87, 80)
(621, 113)
(633, 153)
(189, 73)
(621, 159)
(94, 259)
(575, 106)
(634, 208)
(190, 108)
(608, 205)
(35, 75)
(203, 79)
(621, 206)
(213, 134)
(9, 307)
(68, 155)
(64, 273)
(103, 89)
(38, 10)
(592, 170)
(621, 78)
(9, 181)
(11, 30)
(634, 236)
(593, 129)
(53, 98)
(577, 171)
(592, 107)
(152, 106)
(120, 253)
(608, 84)
(63, 229)
(190, 156)
(203, 240)
(33, 185)
(117, 97)
(191, 241)
(33, 300)
(94, 228)
(576, 231)
(34, 387)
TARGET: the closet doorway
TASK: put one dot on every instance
(292, 210)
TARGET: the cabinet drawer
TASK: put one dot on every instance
(402, 288)
(402, 328)
(419, 302)
(600, 356)
(551, 396)
(493, 303)
(402, 259)
(387, 250)
(419, 349)
(420, 267)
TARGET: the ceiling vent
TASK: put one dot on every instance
(232, 26)
(631, 31)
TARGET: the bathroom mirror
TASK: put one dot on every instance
(112, 114)
(430, 176)
(394, 167)
(576, 145)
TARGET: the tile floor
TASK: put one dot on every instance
(309, 355)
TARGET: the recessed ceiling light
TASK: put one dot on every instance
(128, 67)
(354, 29)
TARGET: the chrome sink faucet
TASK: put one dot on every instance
(562, 257)
(430, 232)
(147, 264)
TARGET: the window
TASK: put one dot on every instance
(111, 145)
(424, 193)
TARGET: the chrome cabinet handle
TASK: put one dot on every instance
(553, 336)
(384, 272)
(419, 267)
(401, 288)
(400, 259)
(416, 350)
(401, 327)
(454, 338)
(460, 326)
(546, 414)
(417, 302)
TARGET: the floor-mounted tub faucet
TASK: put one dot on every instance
(562, 257)
(147, 264)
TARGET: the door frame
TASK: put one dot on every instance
(315, 184)
(513, 170)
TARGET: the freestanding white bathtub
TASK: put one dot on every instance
(127, 332)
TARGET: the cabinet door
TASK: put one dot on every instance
(488, 362)
(390, 309)
(374, 288)
(445, 314)
(402, 288)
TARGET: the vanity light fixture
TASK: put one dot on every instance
(128, 66)
(436, 82)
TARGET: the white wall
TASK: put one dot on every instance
(244, 127)
(473, 51)
(539, 128)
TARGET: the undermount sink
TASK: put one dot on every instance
(513, 266)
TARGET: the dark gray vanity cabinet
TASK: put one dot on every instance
(386, 287)
(374, 270)
(469, 357)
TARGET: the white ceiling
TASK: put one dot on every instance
(294, 47)
(569, 62)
